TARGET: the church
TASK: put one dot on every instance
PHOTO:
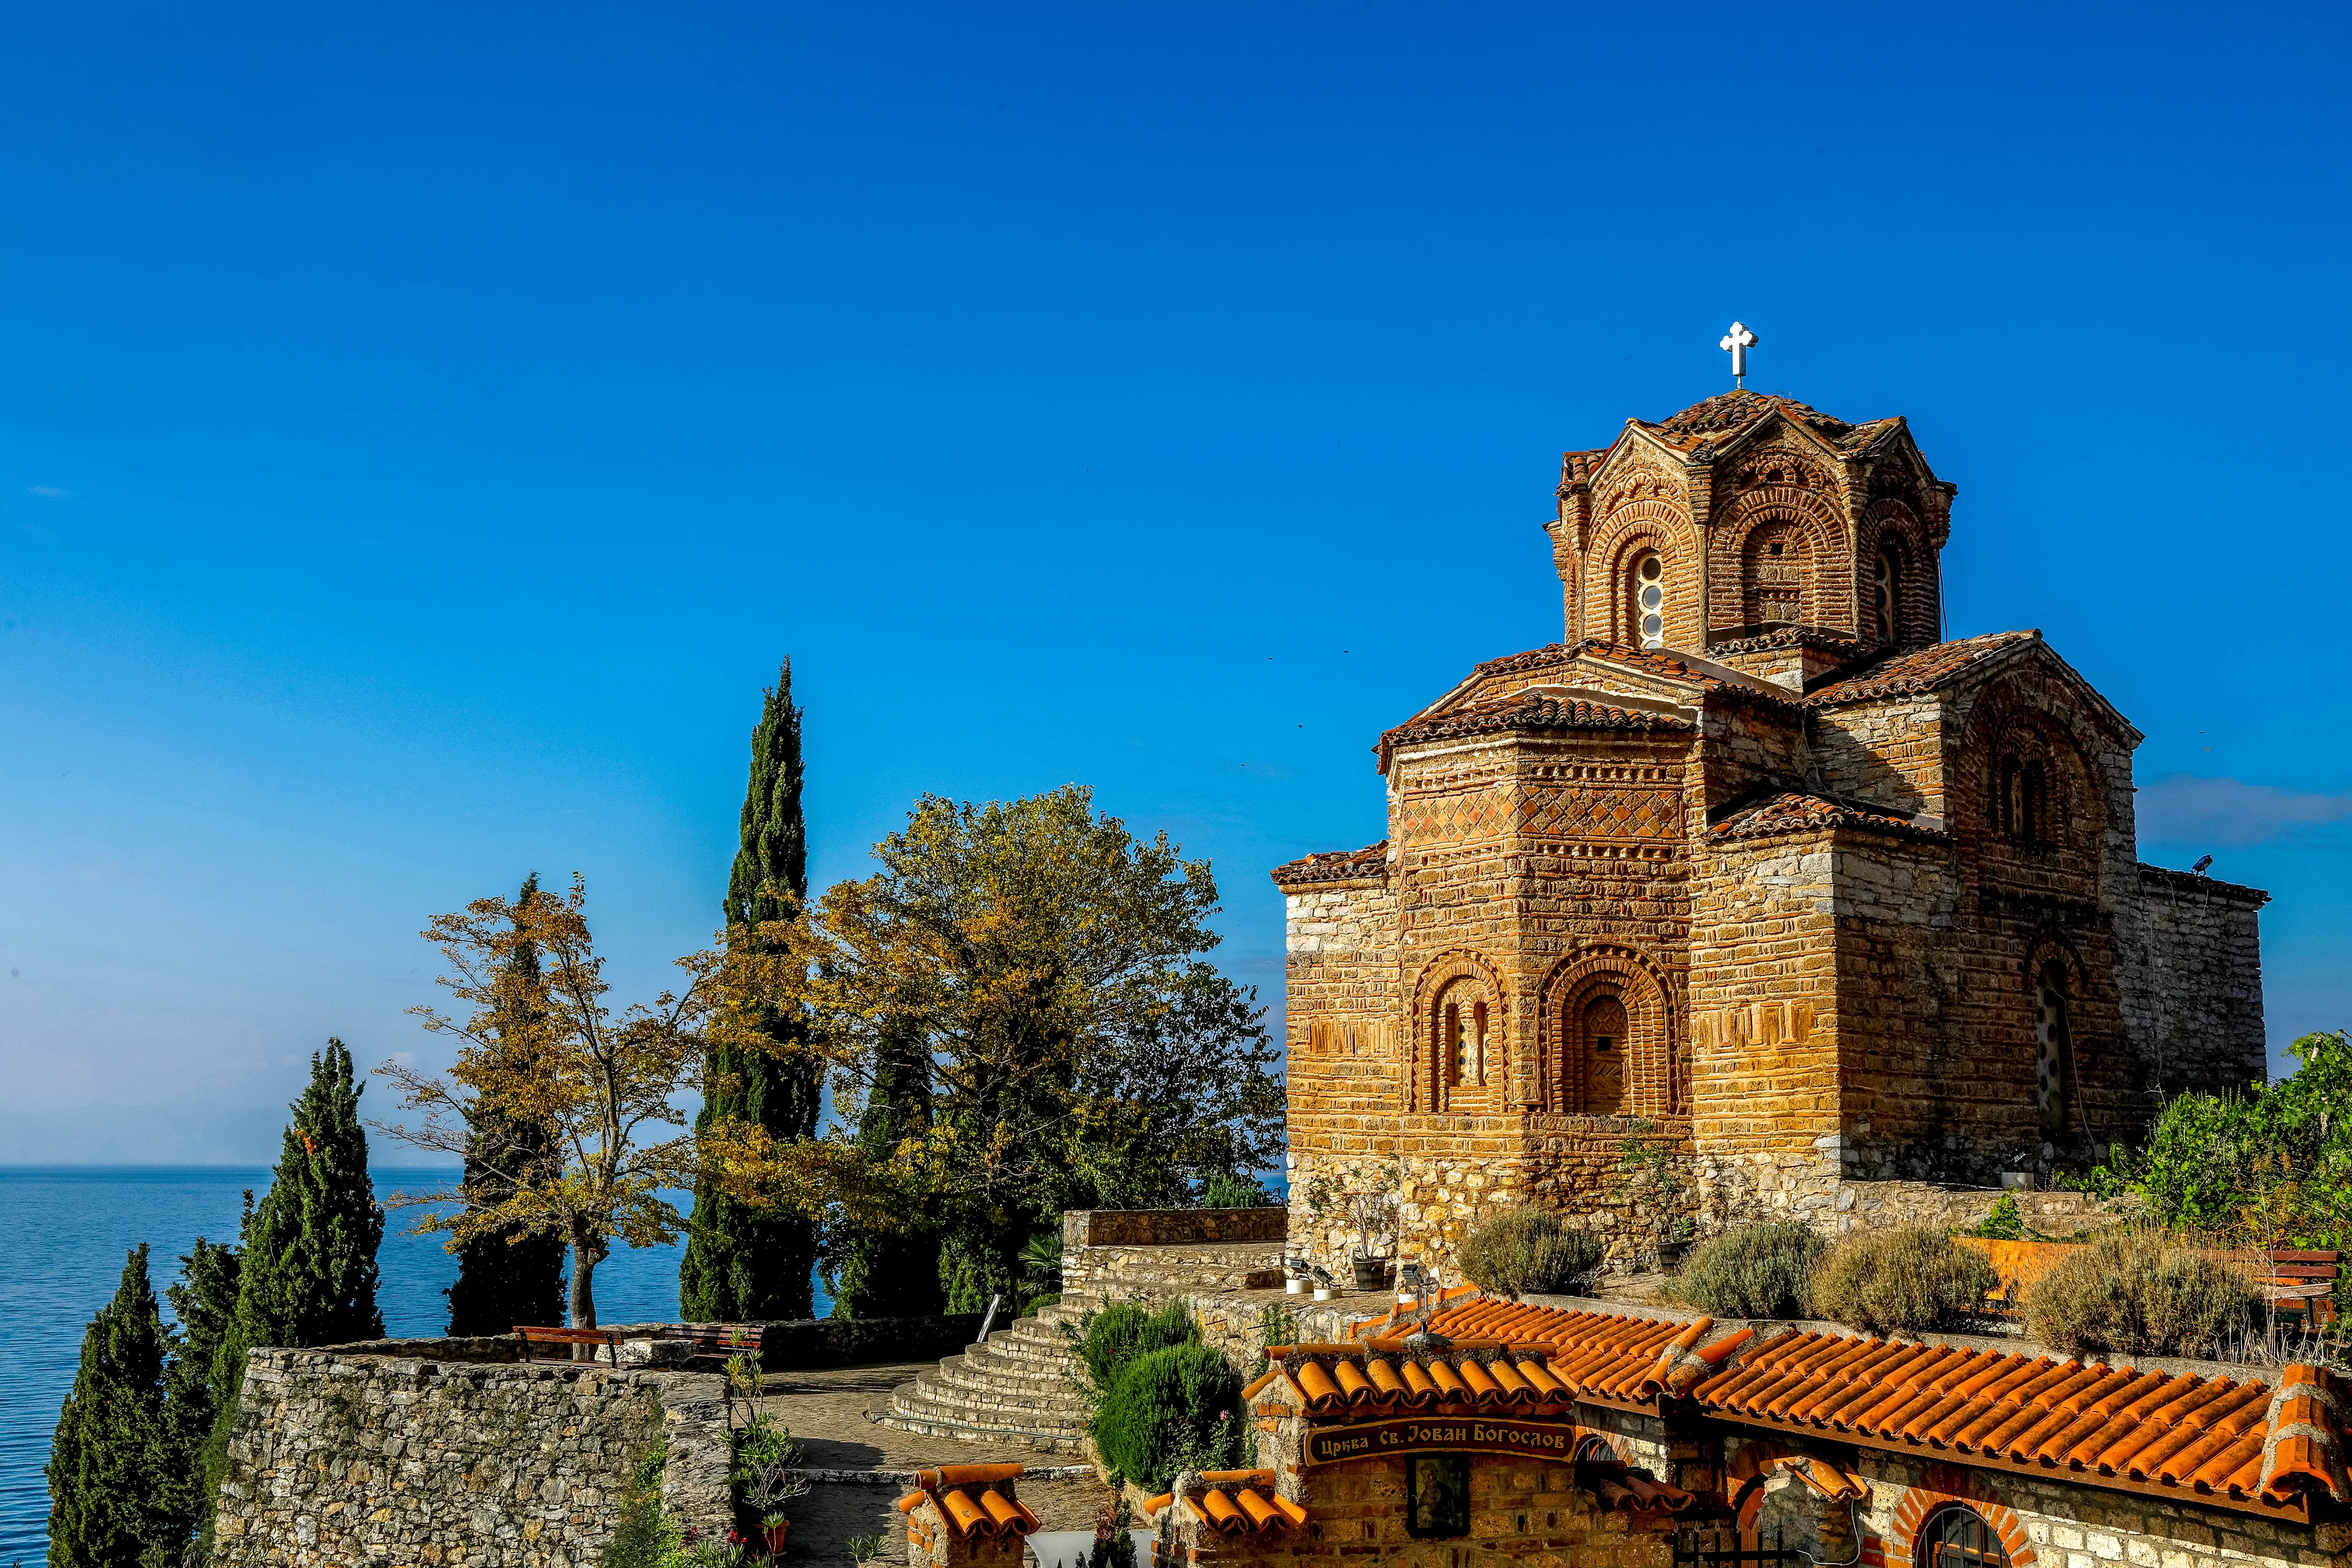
(1754, 894)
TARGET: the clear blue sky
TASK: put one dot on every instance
(423, 429)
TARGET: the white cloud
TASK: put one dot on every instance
(2182, 808)
(50, 492)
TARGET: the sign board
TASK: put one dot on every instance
(1448, 1434)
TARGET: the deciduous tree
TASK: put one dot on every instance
(540, 1047)
(1045, 973)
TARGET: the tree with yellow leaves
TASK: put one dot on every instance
(540, 1047)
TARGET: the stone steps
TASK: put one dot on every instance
(1015, 1390)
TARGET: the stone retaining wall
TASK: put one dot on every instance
(1171, 1228)
(431, 1452)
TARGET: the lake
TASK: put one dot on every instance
(63, 1234)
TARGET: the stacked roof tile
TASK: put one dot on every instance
(2201, 1435)
(1916, 672)
(1335, 866)
(1529, 710)
(2194, 882)
(1237, 1502)
(974, 1499)
(1790, 812)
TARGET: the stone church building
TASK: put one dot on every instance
(1753, 891)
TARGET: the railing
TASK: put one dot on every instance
(1721, 1548)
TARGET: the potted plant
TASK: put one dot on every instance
(1371, 1216)
(766, 1478)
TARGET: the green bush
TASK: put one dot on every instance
(1518, 1250)
(1756, 1271)
(1107, 1340)
(2001, 1222)
(1170, 1410)
(1232, 1190)
(1902, 1280)
(2142, 1292)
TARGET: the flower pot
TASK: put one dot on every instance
(1371, 1273)
(774, 1535)
(1324, 1292)
(1295, 1285)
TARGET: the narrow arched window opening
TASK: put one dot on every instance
(2054, 1051)
(1886, 591)
(1648, 596)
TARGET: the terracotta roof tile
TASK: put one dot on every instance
(1238, 1502)
(1334, 866)
(1529, 710)
(2211, 1435)
(974, 1499)
(1795, 812)
(1826, 639)
(1916, 672)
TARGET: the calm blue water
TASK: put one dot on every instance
(63, 1234)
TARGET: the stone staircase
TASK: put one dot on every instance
(1014, 1390)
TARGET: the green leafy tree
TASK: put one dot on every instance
(513, 1274)
(744, 1264)
(111, 1487)
(1046, 975)
(307, 1276)
(2272, 1166)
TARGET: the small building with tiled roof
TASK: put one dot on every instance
(1754, 871)
(1476, 1429)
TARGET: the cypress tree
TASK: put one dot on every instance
(309, 1273)
(739, 1267)
(109, 1463)
(204, 1301)
(514, 1276)
(886, 1274)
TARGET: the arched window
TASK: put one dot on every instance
(2053, 1050)
(1603, 1037)
(1648, 591)
(1466, 1044)
(2022, 800)
(1886, 592)
(1956, 1536)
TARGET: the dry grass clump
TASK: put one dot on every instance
(1755, 1271)
(1519, 1250)
(2143, 1292)
(1902, 1280)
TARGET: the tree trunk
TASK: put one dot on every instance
(584, 1259)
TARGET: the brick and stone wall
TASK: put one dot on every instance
(414, 1452)
(2192, 981)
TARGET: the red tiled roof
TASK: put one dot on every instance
(994, 1511)
(2191, 882)
(1921, 670)
(1529, 710)
(1827, 639)
(2211, 1436)
(1715, 420)
(1795, 812)
(1334, 866)
(1237, 1502)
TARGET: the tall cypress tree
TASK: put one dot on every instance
(109, 1464)
(308, 1274)
(891, 1274)
(204, 1301)
(513, 1276)
(739, 1267)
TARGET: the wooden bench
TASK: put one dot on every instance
(2301, 1284)
(528, 1336)
(721, 1339)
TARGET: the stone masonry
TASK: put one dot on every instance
(1751, 890)
(444, 1453)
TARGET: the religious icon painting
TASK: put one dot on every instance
(1437, 1496)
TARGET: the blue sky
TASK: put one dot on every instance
(423, 429)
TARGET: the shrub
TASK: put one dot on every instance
(1518, 1250)
(1902, 1280)
(2001, 1222)
(1109, 1339)
(1232, 1190)
(1170, 1410)
(2140, 1291)
(1756, 1271)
